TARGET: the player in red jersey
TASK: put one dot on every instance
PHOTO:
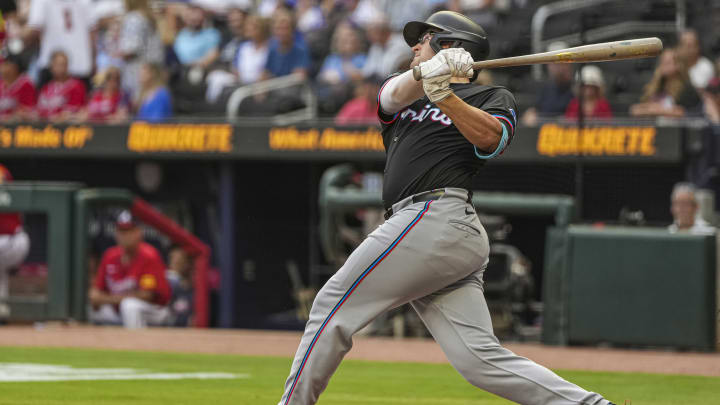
(130, 287)
(63, 96)
(14, 247)
(17, 92)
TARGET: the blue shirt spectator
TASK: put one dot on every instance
(197, 44)
(284, 62)
(287, 50)
(336, 64)
(156, 107)
(193, 46)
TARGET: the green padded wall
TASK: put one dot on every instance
(632, 286)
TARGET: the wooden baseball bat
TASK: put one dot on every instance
(602, 52)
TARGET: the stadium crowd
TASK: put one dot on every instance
(113, 60)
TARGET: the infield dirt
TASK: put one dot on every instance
(264, 343)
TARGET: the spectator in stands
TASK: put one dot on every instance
(310, 16)
(139, 43)
(388, 50)
(711, 101)
(66, 26)
(236, 18)
(225, 73)
(595, 105)
(14, 247)
(481, 11)
(555, 94)
(63, 96)
(363, 108)
(669, 93)
(197, 44)
(17, 92)
(107, 44)
(341, 69)
(700, 69)
(179, 275)
(252, 56)
(108, 103)
(154, 99)
(684, 208)
(346, 61)
(130, 287)
(287, 53)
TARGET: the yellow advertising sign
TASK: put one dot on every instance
(145, 137)
(329, 139)
(556, 140)
(23, 136)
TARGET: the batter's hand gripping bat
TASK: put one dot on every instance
(602, 52)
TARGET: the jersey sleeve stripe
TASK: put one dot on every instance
(512, 127)
(380, 112)
(500, 148)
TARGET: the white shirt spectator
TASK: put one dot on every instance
(311, 19)
(250, 62)
(701, 73)
(383, 60)
(700, 227)
(64, 25)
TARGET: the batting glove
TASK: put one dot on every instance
(436, 66)
(459, 61)
(437, 88)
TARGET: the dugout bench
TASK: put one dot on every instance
(66, 206)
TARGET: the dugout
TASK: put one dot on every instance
(59, 228)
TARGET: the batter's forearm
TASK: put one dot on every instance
(399, 92)
(480, 128)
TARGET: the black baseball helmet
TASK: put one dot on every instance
(450, 28)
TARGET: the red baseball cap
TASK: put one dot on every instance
(125, 220)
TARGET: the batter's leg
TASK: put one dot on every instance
(459, 320)
(397, 263)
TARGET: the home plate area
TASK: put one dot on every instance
(24, 372)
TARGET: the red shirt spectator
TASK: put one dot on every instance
(57, 98)
(16, 96)
(63, 95)
(108, 102)
(601, 109)
(103, 105)
(17, 92)
(363, 108)
(10, 223)
(595, 105)
(146, 271)
(357, 111)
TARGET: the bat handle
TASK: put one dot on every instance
(416, 73)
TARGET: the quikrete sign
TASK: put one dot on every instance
(144, 137)
(555, 140)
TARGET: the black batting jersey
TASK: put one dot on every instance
(425, 151)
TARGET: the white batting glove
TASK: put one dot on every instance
(459, 60)
(436, 66)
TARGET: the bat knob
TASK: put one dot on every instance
(416, 73)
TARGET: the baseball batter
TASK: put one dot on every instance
(432, 250)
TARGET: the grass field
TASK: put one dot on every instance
(356, 382)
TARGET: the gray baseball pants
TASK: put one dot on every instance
(431, 254)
